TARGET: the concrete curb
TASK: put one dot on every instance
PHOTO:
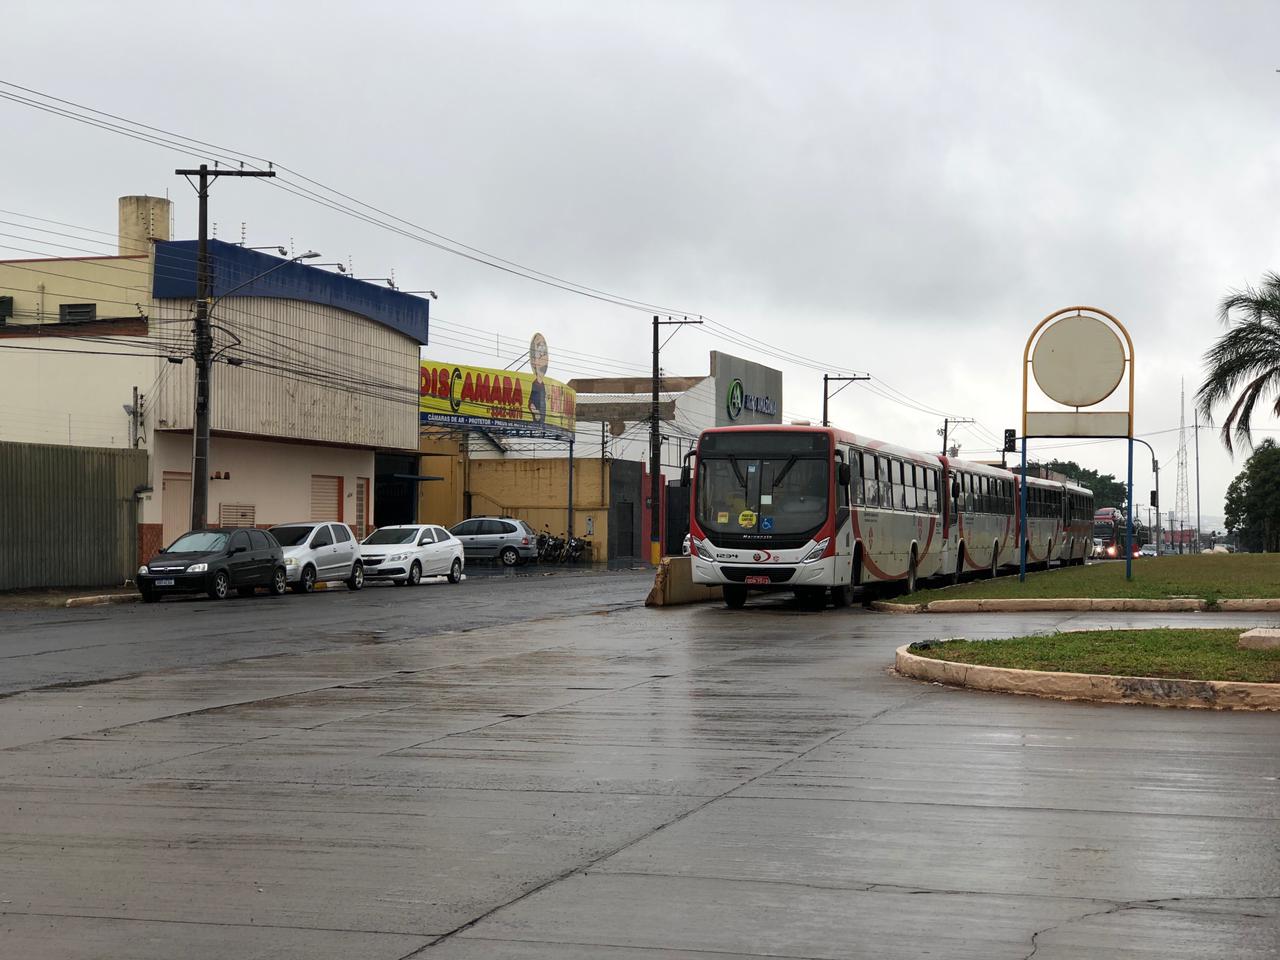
(1153, 691)
(103, 598)
(1079, 604)
(884, 606)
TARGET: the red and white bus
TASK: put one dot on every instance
(819, 511)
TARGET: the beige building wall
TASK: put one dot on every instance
(120, 286)
(284, 337)
(69, 398)
(272, 477)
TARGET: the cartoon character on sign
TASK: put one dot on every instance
(538, 359)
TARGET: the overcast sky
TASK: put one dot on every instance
(900, 188)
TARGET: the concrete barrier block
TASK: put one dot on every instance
(673, 585)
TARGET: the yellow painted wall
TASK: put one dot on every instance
(536, 491)
(531, 489)
(440, 501)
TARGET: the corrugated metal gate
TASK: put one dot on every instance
(68, 515)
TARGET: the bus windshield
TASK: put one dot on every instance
(1104, 530)
(763, 483)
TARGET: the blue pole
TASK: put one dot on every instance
(1022, 518)
(1128, 541)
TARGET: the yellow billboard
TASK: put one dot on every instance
(455, 395)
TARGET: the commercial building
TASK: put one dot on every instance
(487, 473)
(315, 374)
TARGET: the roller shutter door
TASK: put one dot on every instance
(326, 498)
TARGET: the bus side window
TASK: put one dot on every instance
(871, 496)
(855, 481)
(883, 467)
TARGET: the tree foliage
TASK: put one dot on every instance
(1245, 361)
(1107, 490)
(1253, 500)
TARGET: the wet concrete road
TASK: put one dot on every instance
(43, 647)
(631, 783)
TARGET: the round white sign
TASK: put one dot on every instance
(1078, 361)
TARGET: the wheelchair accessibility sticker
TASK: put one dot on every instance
(766, 524)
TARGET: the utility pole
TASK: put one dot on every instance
(135, 417)
(826, 396)
(1196, 428)
(946, 427)
(655, 447)
(204, 342)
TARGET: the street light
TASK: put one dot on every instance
(1155, 468)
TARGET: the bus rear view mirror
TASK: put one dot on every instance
(844, 474)
(684, 475)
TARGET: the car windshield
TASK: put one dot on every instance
(391, 535)
(291, 536)
(199, 541)
(765, 482)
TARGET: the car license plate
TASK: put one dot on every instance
(757, 579)
(164, 583)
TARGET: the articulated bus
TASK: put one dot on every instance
(819, 511)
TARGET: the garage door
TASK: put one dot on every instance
(326, 497)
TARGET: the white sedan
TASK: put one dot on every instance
(406, 553)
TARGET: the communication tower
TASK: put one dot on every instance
(1182, 501)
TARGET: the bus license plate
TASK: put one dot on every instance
(164, 583)
(757, 579)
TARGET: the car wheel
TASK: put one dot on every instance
(246, 591)
(509, 556)
(415, 574)
(149, 596)
(220, 586)
(307, 582)
(279, 582)
(455, 571)
(735, 598)
(356, 580)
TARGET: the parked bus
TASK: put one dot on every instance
(818, 511)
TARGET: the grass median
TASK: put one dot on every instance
(1210, 577)
(1175, 653)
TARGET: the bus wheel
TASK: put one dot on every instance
(995, 562)
(955, 574)
(735, 597)
(911, 574)
(841, 595)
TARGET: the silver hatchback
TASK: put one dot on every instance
(504, 539)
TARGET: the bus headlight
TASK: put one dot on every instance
(817, 552)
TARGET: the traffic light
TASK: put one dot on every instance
(1010, 441)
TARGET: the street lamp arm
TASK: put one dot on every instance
(309, 255)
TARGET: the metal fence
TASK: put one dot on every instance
(68, 515)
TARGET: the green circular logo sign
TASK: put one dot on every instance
(733, 402)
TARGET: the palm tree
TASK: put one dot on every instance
(1246, 358)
